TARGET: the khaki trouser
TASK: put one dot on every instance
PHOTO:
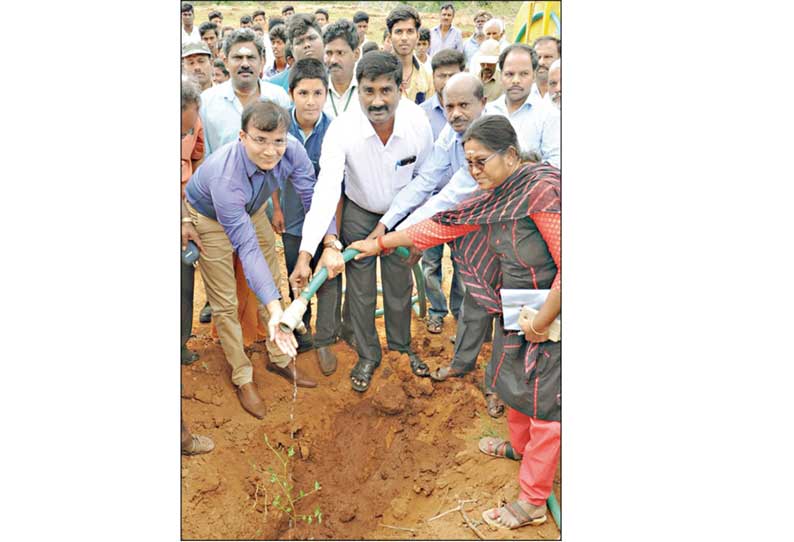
(217, 271)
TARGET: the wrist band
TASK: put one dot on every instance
(380, 244)
(186, 220)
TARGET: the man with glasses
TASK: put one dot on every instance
(224, 209)
(222, 105)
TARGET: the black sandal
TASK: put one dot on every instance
(418, 366)
(363, 372)
(495, 405)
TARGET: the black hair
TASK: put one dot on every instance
(361, 17)
(448, 57)
(259, 12)
(448, 5)
(288, 52)
(214, 14)
(264, 115)
(278, 32)
(403, 13)
(377, 64)
(549, 38)
(424, 34)
(187, 7)
(341, 28)
(218, 63)
(245, 19)
(307, 68)
(274, 22)
(495, 132)
(244, 35)
(322, 11)
(206, 27)
(300, 23)
(286, 9)
(258, 27)
(519, 47)
(368, 47)
(385, 33)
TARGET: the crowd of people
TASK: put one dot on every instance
(302, 127)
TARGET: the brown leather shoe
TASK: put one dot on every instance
(251, 400)
(326, 359)
(288, 371)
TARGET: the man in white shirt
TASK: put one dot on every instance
(548, 49)
(189, 32)
(555, 83)
(376, 148)
(341, 54)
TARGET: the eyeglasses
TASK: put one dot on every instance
(479, 163)
(262, 142)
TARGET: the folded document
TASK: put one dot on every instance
(514, 300)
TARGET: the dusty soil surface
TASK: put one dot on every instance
(385, 461)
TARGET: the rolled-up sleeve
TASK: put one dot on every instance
(229, 204)
(327, 190)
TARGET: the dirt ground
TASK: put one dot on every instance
(386, 461)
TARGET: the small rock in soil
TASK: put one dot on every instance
(348, 513)
(304, 449)
(425, 386)
(217, 400)
(462, 457)
(399, 508)
(441, 483)
(390, 399)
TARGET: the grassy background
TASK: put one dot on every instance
(464, 12)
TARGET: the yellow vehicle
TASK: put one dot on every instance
(536, 19)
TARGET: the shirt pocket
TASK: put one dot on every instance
(403, 176)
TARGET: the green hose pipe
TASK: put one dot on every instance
(554, 506)
(292, 317)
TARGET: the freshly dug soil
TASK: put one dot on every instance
(386, 461)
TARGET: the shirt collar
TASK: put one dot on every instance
(435, 103)
(250, 167)
(351, 88)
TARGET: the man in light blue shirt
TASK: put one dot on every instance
(464, 103)
(472, 44)
(445, 36)
(536, 121)
(445, 64)
(222, 105)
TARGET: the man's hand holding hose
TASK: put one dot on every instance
(284, 341)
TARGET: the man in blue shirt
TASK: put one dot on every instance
(445, 36)
(308, 87)
(224, 209)
(305, 41)
(445, 64)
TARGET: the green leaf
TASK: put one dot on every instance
(288, 510)
(291, 451)
(301, 493)
(320, 519)
(317, 485)
(309, 519)
(317, 511)
(273, 478)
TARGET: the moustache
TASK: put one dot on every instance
(375, 109)
(332, 66)
(515, 88)
(456, 120)
(245, 70)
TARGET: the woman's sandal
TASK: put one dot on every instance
(495, 405)
(418, 367)
(535, 517)
(497, 447)
(363, 373)
(442, 373)
(434, 324)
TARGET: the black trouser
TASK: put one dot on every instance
(474, 326)
(186, 287)
(362, 292)
(328, 310)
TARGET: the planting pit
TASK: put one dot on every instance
(386, 460)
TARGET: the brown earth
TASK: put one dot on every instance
(393, 457)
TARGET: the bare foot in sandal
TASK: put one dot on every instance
(497, 447)
(514, 515)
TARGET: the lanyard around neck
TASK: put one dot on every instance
(349, 95)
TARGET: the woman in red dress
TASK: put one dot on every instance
(508, 236)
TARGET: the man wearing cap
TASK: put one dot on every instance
(487, 58)
(189, 32)
(197, 63)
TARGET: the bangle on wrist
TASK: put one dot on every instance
(532, 327)
(381, 246)
(187, 220)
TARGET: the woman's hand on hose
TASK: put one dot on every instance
(366, 248)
